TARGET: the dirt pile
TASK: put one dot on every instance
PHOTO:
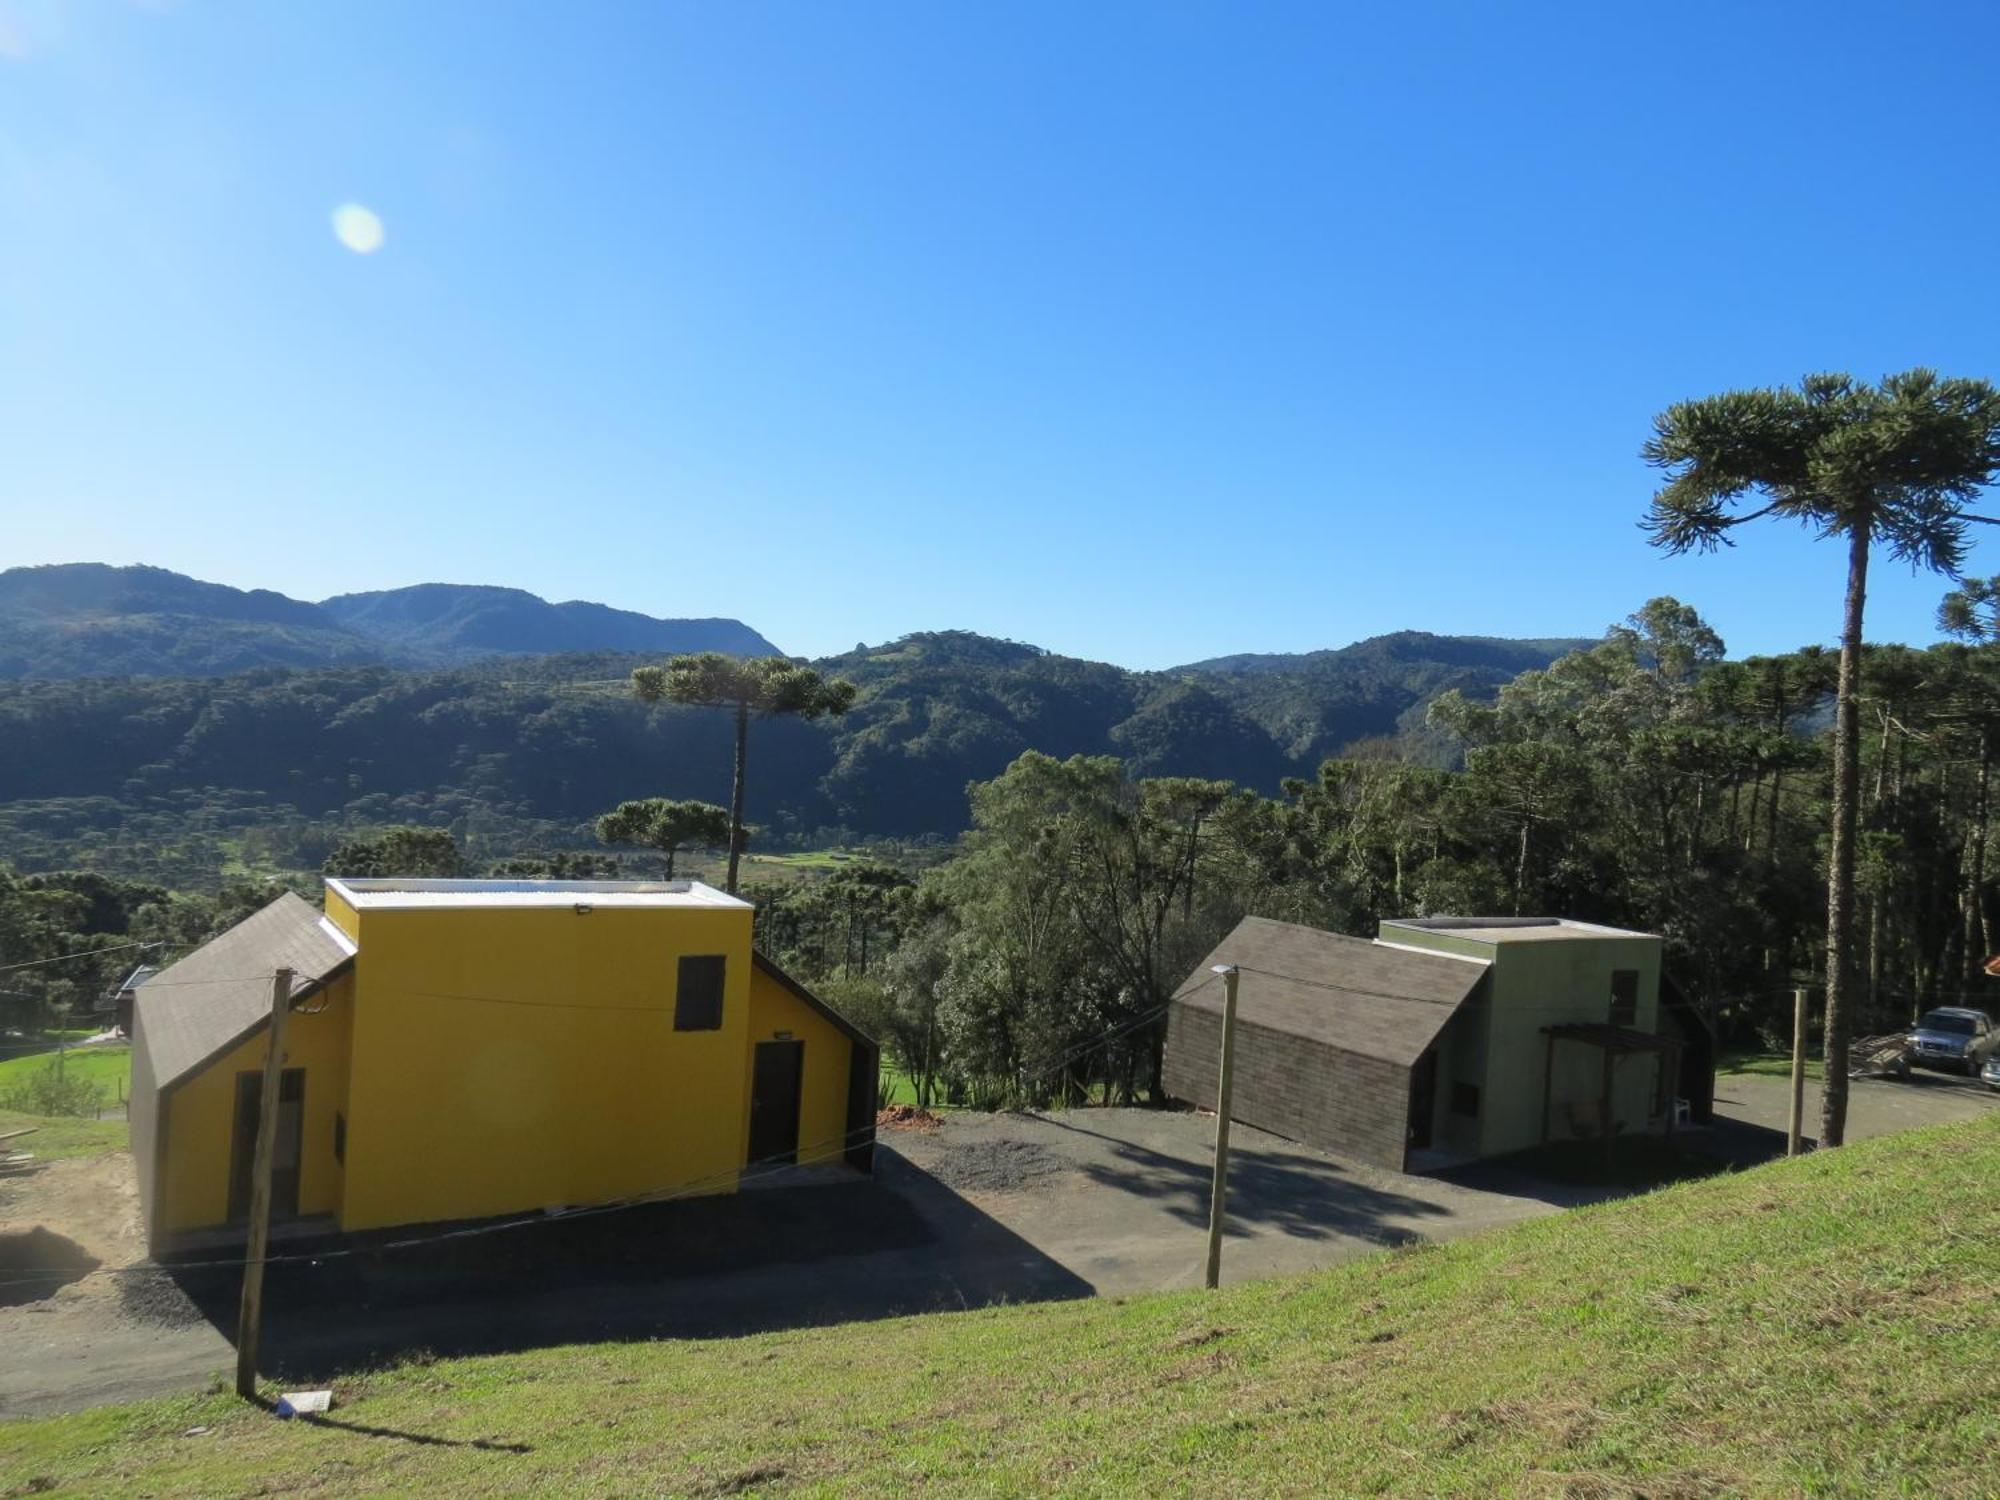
(906, 1117)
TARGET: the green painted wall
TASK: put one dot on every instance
(1498, 1045)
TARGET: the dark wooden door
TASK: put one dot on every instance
(1423, 1100)
(775, 1077)
(290, 1141)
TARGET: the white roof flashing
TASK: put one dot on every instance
(1464, 958)
(341, 939)
(394, 894)
(1493, 931)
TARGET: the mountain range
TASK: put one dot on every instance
(94, 620)
(151, 716)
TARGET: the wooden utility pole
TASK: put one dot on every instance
(249, 1317)
(1795, 1136)
(1219, 1189)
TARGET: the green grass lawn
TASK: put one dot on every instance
(902, 1090)
(1821, 1326)
(108, 1066)
(56, 1138)
(1767, 1065)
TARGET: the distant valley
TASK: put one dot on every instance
(156, 722)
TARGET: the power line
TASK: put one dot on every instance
(63, 958)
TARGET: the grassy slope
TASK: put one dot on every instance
(1825, 1325)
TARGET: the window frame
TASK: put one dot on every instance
(709, 1016)
(1629, 1004)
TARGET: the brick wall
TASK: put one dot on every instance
(1305, 1091)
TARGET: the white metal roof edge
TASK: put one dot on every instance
(1494, 935)
(341, 940)
(372, 894)
(1464, 958)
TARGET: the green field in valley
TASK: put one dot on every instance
(1822, 1326)
(58, 1136)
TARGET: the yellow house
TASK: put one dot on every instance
(457, 1049)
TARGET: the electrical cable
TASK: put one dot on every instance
(63, 958)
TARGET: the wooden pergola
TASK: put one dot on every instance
(1613, 1043)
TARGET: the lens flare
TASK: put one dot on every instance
(359, 229)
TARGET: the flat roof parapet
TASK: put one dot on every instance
(393, 892)
(1509, 929)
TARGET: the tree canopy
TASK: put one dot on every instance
(1896, 465)
(664, 825)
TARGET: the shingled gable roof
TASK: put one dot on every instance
(1365, 997)
(220, 994)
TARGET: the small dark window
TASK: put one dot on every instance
(698, 996)
(340, 1138)
(1624, 997)
(1465, 1100)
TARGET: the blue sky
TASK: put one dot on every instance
(1144, 332)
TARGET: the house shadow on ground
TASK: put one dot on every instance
(1275, 1190)
(1571, 1173)
(35, 1263)
(720, 1266)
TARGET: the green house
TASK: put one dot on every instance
(1444, 1038)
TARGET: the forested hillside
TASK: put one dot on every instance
(1318, 703)
(447, 623)
(86, 619)
(178, 777)
(1647, 782)
(91, 620)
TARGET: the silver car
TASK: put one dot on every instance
(1953, 1036)
(1991, 1077)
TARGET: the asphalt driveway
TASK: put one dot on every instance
(1875, 1106)
(1119, 1197)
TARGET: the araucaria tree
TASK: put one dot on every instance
(1895, 464)
(664, 825)
(765, 685)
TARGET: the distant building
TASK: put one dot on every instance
(118, 1004)
(464, 1048)
(1444, 1038)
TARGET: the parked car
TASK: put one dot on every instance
(1991, 1076)
(1953, 1036)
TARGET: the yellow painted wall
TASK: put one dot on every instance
(342, 915)
(823, 1091)
(516, 1059)
(201, 1116)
